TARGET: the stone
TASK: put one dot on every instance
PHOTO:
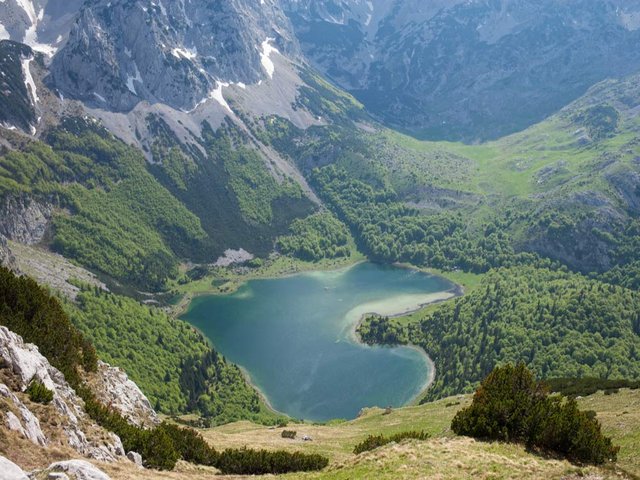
(57, 476)
(11, 471)
(135, 457)
(27, 363)
(78, 470)
(114, 388)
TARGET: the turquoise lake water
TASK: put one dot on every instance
(294, 337)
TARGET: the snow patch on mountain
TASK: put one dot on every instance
(265, 56)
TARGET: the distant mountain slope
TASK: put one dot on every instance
(467, 70)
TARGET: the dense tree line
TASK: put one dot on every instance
(170, 361)
(559, 323)
(316, 237)
(511, 406)
(574, 387)
(388, 230)
(30, 311)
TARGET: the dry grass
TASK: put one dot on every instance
(620, 418)
(444, 456)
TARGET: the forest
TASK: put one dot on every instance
(560, 324)
(169, 360)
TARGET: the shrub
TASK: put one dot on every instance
(190, 445)
(39, 393)
(374, 441)
(289, 434)
(158, 449)
(260, 462)
(511, 406)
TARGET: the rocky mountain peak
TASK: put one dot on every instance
(177, 53)
(41, 24)
(456, 69)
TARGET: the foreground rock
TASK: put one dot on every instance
(11, 471)
(72, 469)
(66, 421)
(114, 388)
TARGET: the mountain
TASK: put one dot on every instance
(154, 150)
(161, 80)
(467, 70)
(42, 24)
(176, 53)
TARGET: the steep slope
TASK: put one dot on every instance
(467, 70)
(566, 188)
(42, 24)
(176, 53)
(19, 99)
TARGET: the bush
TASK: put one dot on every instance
(190, 445)
(511, 406)
(158, 449)
(261, 462)
(39, 393)
(374, 441)
(289, 434)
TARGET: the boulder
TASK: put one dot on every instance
(77, 470)
(11, 471)
(135, 457)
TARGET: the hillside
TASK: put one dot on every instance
(443, 456)
(471, 71)
(152, 151)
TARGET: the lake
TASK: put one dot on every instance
(294, 336)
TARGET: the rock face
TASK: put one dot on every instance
(23, 219)
(114, 388)
(18, 98)
(41, 24)
(457, 69)
(173, 52)
(6, 256)
(24, 422)
(25, 363)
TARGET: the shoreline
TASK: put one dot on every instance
(438, 297)
(183, 305)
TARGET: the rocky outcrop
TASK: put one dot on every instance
(22, 421)
(6, 256)
(11, 471)
(24, 363)
(114, 388)
(17, 105)
(179, 53)
(73, 470)
(24, 219)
